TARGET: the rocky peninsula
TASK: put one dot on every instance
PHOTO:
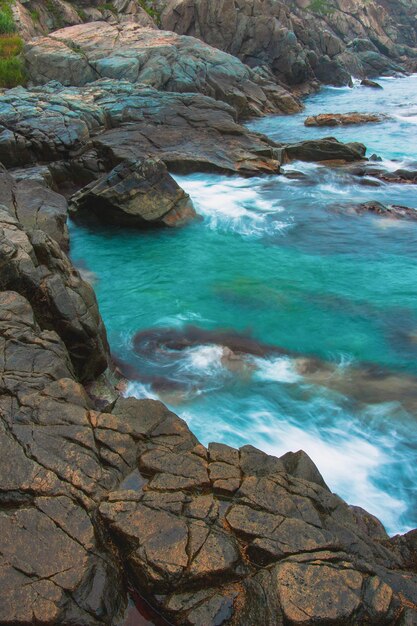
(109, 502)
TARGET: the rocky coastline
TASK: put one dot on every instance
(106, 501)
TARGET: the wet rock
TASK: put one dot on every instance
(327, 149)
(199, 556)
(343, 119)
(81, 54)
(391, 211)
(84, 132)
(137, 193)
(35, 206)
(34, 265)
(366, 82)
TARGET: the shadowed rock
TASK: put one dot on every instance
(35, 206)
(137, 194)
(326, 149)
(370, 83)
(34, 265)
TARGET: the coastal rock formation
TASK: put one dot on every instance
(64, 126)
(207, 535)
(35, 206)
(137, 193)
(34, 265)
(322, 150)
(342, 119)
(392, 211)
(81, 54)
(298, 41)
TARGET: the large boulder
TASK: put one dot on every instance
(79, 55)
(322, 150)
(138, 193)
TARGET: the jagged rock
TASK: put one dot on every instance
(34, 265)
(301, 40)
(79, 55)
(135, 193)
(327, 149)
(35, 206)
(343, 119)
(65, 125)
(208, 536)
(392, 211)
(366, 82)
(199, 556)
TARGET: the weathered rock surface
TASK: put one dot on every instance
(327, 149)
(136, 193)
(343, 119)
(209, 536)
(301, 40)
(392, 211)
(86, 131)
(34, 265)
(79, 55)
(366, 82)
(35, 206)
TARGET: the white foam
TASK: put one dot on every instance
(234, 204)
(280, 370)
(205, 359)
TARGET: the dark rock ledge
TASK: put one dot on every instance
(93, 501)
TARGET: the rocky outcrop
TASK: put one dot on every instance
(34, 265)
(101, 501)
(79, 55)
(35, 206)
(366, 82)
(323, 150)
(343, 119)
(138, 193)
(299, 40)
(84, 132)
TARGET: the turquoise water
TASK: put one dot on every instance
(282, 261)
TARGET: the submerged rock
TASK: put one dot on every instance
(81, 54)
(392, 211)
(135, 193)
(343, 119)
(34, 265)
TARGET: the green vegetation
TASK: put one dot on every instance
(35, 15)
(321, 7)
(7, 25)
(107, 6)
(150, 10)
(81, 14)
(55, 13)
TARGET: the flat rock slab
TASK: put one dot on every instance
(96, 127)
(81, 54)
(343, 119)
(135, 193)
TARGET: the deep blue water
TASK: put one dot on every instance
(283, 261)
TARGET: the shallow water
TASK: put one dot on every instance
(282, 260)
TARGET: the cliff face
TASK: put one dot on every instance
(301, 40)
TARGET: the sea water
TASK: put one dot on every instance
(285, 262)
